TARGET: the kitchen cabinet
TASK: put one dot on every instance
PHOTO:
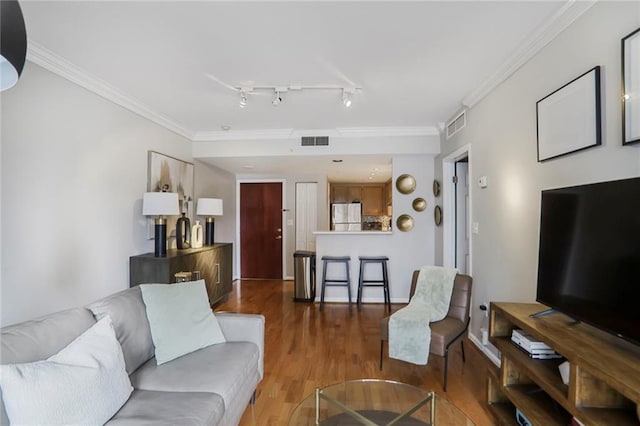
(373, 200)
(346, 193)
(213, 262)
(372, 196)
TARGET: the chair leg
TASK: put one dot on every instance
(381, 352)
(252, 401)
(446, 366)
(348, 283)
(324, 278)
(462, 347)
(360, 278)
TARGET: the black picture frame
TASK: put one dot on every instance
(569, 118)
(631, 88)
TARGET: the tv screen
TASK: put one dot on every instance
(589, 255)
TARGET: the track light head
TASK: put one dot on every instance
(243, 99)
(276, 99)
(346, 99)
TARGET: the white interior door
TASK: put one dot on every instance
(462, 215)
(306, 215)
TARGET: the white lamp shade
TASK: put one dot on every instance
(209, 207)
(160, 204)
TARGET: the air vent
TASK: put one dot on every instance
(315, 141)
(456, 124)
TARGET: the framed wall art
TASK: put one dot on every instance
(569, 119)
(169, 174)
(631, 88)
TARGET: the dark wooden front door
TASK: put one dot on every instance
(261, 230)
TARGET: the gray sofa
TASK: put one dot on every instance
(211, 386)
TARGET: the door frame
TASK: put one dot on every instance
(282, 212)
(449, 200)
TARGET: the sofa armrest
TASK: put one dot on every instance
(238, 327)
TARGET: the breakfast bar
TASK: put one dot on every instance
(353, 244)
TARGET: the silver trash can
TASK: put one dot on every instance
(304, 271)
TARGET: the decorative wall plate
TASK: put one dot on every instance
(437, 215)
(419, 204)
(404, 222)
(436, 187)
(406, 184)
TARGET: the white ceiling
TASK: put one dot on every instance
(415, 61)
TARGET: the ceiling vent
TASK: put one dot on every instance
(456, 124)
(315, 141)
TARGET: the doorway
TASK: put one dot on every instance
(456, 197)
(461, 188)
(261, 232)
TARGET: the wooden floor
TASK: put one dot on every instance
(307, 348)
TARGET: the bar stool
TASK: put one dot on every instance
(335, 282)
(384, 282)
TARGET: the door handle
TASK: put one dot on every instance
(279, 237)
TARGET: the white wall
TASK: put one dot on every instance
(74, 168)
(502, 132)
(213, 182)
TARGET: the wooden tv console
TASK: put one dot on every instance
(604, 382)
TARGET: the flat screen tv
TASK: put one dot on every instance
(589, 255)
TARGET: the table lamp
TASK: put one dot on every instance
(160, 205)
(209, 207)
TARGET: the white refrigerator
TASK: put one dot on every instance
(346, 217)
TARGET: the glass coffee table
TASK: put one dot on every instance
(374, 402)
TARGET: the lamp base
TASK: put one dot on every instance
(208, 231)
(160, 248)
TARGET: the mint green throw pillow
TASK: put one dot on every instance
(180, 319)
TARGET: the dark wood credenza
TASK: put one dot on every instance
(215, 264)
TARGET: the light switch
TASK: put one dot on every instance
(474, 227)
(482, 182)
(289, 222)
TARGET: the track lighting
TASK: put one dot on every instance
(276, 99)
(346, 99)
(347, 92)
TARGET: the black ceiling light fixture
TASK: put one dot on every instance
(13, 43)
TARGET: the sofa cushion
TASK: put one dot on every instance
(180, 319)
(84, 383)
(169, 409)
(129, 317)
(42, 337)
(229, 369)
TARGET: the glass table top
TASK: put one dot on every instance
(374, 402)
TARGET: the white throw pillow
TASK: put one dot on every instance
(85, 383)
(180, 319)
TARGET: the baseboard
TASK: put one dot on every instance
(484, 349)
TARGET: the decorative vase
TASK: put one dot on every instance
(196, 235)
(183, 232)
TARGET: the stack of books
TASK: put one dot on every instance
(535, 348)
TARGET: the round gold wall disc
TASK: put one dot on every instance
(406, 184)
(436, 187)
(419, 204)
(437, 215)
(404, 222)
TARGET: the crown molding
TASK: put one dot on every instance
(538, 39)
(340, 132)
(56, 64)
